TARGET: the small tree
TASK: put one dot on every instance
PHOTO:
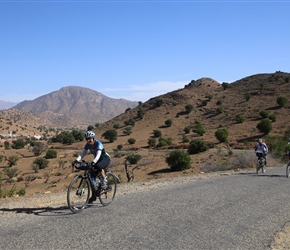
(131, 141)
(168, 123)
(264, 113)
(197, 146)
(178, 160)
(188, 108)
(140, 113)
(222, 134)
(41, 162)
(151, 142)
(240, 118)
(265, 126)
(129, 160)
(110, 135)
(157, 133)
(50, 154)
(281, 101)
(12, 160)
(6, 144)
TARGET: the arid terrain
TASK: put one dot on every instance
(214, 105)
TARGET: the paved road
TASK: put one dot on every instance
(240, 211)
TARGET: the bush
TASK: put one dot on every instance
(131, 141)
(168, 123)
(272, 117)
(186, 129)
(178, 160)
(240, 118)
(157, 133)
(50, 154)
(158, 102)
(264, 114)
(41, 162)
(188, 108)
(133, 158)
(163, 142)
(265, 126)
(110, 135)
(151, 142)
(222, 134)
(281, 101)
(197, 146)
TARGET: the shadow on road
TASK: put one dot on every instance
(263, 175)
(41, 211)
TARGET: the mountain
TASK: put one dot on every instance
(76, 107)
(6, 105)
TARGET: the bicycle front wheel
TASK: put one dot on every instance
(107, 196)
(288, 170)
(78, 194)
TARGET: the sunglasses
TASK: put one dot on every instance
(89, 138)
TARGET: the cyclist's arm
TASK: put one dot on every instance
(98, 155)
(84, 152)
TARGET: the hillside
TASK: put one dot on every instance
(75, 107)
(214, 106)
(205, 95)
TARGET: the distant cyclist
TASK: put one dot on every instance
(261, 149)
(101, 158)
(287, 149)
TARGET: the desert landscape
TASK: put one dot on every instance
(214, 105)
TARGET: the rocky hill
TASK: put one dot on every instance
(214, 106)
(75, 107)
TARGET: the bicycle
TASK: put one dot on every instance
(261, 163)
(81, 187)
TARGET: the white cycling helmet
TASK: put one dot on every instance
(90, 134)
(260, 140)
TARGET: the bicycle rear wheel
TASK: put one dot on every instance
(288, 170)
(107, 196)
(78, 194)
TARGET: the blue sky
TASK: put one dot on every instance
(137, 49)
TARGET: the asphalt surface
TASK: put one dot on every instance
(240, 211)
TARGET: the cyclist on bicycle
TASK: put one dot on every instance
(261, 150)
(287, 149)
(101, 159)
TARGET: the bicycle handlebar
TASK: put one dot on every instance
(83, 165)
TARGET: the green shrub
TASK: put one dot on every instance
(222, 134)
(281, 101)
(188, 108)
(131, 141)
(185, 139)
(163, 142)
(178, 160)
(41, 162)
(151, 142)
(110, 135)
(186, 129)
(264, 114)
(168, 123)
(272, 117)
(50, 154)
(197, 146)
(220, 109)
(264, 126)
(240, 118)
(133, 158)
(157, 133)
